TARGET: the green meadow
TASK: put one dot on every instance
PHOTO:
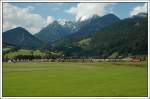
(75, 79)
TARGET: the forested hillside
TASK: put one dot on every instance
(126, 37)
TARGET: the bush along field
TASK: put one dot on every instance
(75, 79)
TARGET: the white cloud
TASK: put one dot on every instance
(139, 9)
(62, 21)
(84, 11)
(50, 19)
(14, 16)
(72, 10)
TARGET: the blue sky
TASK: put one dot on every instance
(57, 10)
(28, 15)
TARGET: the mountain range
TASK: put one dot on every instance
(55, 31)
(96, 36)
(128, 36)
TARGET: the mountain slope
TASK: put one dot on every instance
(53, 32)
(93, 24)
(21, 37)
(87, 27)
(128, 36)
(56, 30)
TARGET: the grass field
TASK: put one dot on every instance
(75, 79)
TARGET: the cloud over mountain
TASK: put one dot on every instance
(84, 11)
(14, 16)
(139, 9)
(50, 19)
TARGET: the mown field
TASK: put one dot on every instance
(75, 79)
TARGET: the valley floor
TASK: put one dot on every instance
(75, 79)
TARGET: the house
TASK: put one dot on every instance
(136, 59)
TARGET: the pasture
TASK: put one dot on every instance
(75, 79)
